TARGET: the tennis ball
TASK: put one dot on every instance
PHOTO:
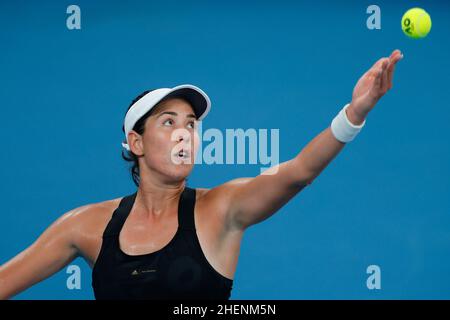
(416, 23)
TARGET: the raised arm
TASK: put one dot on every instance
(251, 200)
(52, 251)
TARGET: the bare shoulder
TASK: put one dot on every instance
(88, 220)
(220, 192)
(215, 202)
(200, 192)
(95, 212)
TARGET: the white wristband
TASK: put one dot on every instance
(342, 129)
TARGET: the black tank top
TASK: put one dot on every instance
(177, 271)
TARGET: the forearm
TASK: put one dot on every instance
(317, 154)
(320, 151)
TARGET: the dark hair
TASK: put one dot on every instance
(139, 127)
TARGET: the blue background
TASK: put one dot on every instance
(265, 64)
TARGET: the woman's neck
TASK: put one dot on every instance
(155, 199)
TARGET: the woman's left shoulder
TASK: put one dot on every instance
(200, 192)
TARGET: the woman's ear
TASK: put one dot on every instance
(135, 143)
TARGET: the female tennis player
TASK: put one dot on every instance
(169, 241)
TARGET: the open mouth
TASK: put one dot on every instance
(183, 154)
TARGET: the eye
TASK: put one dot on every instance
(168, 122)
(191, 124)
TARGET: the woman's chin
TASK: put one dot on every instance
(179, 172)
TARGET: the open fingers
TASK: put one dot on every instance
(381, 73)
(390, 73)
(394, 54)
(377, 65)
(377, 75)
(393, 59)
(384, 76)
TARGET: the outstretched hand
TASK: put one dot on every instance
(373, 85)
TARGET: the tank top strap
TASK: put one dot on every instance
(119, 216)
(186, 209)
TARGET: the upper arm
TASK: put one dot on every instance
(53, 250)
(247, 201)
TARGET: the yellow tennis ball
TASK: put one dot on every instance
(416, 23)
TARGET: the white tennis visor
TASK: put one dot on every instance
(198, 99)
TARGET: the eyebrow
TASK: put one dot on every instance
(191, 115)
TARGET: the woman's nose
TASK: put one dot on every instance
(182, 135)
